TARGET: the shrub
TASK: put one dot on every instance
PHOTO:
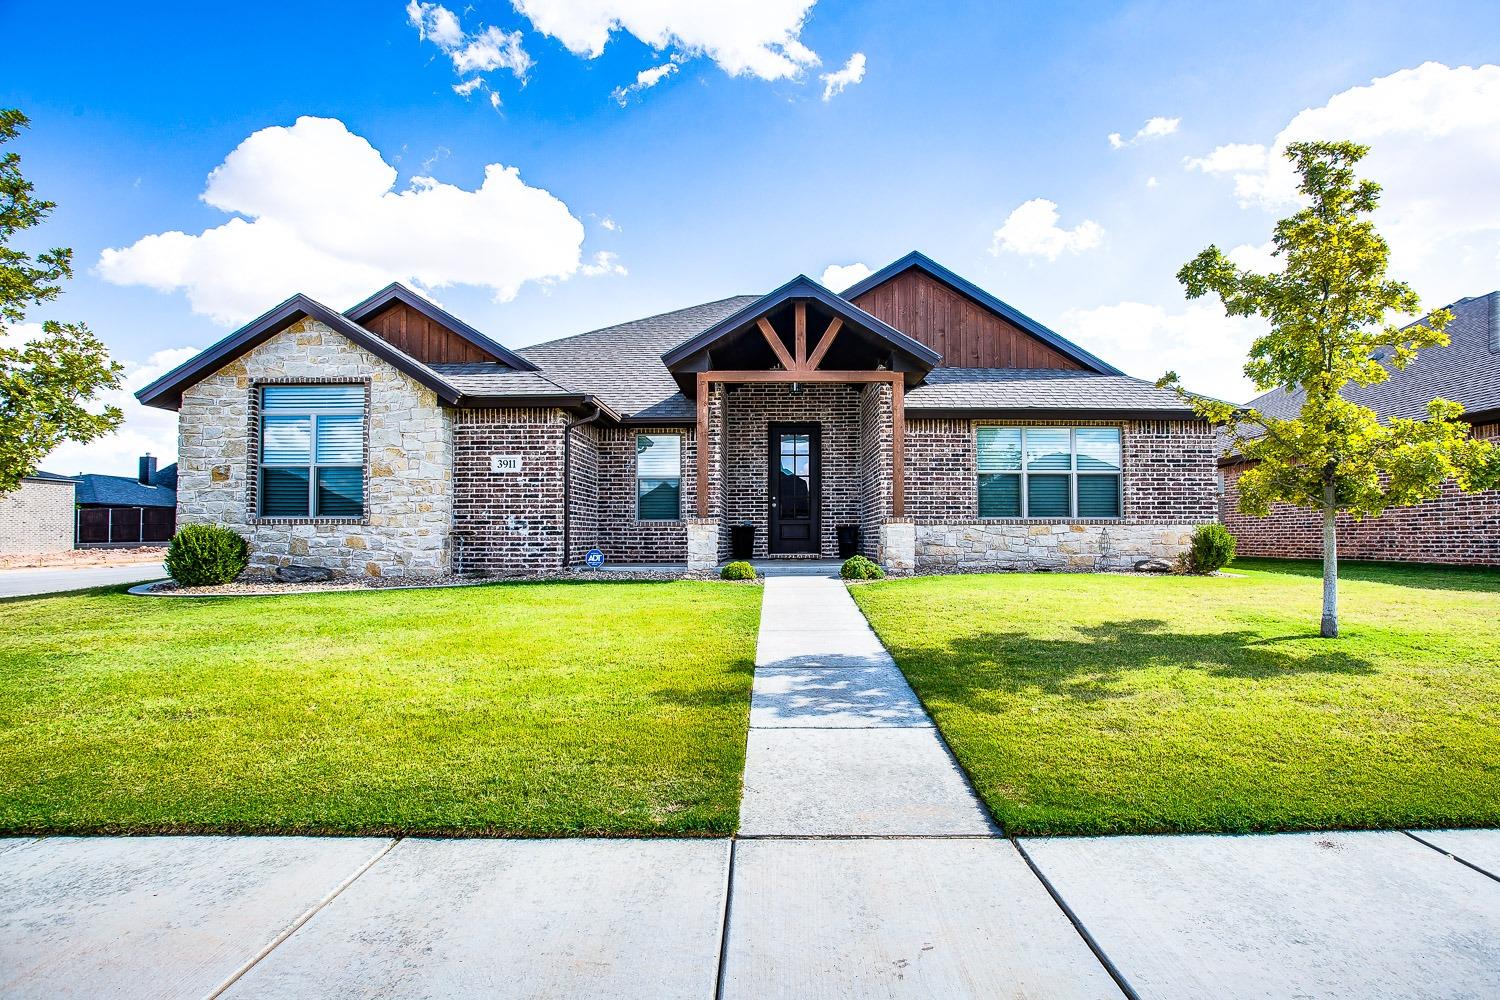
(1212, 549)
(738, 570)
(205, 555)
(860, 568)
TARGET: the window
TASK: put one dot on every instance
(312, 451)
(1049, 471)
(658, 477)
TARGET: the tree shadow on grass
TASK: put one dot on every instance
(1415, 575)
(1096, 661)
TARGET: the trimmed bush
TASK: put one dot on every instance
(1212, 549)
(861, 568)
(206, 555)
(737, 570)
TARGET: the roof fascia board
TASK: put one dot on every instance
(803, 287)
(968, 289)
(1013, 413)
(397, 292)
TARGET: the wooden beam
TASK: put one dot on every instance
(777, 347)
(825, 342)
(701, 487)
(799, 334)
(898, 448)
(761, 376)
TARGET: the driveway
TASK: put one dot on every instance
(56, 579)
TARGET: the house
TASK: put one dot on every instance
(122, 511)
(950, 429)
(37, 517)
(1455, 527)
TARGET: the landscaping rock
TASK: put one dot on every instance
(1153, 566)
(303, 574)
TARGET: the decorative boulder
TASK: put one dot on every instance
(1153, 566)
(303, 574)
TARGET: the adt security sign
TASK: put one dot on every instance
(594, 559)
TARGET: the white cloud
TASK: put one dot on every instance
(644, 80)
(852, 73)
(840, 276)
(317, 211)
(1205, 347)
(744, 37)
(609, 224)
(146, 430)
(1151, 182)
(1434, 133)
(1032, 231)
(1260, 259)
(604, 262)
(476, 53)
(1154, 128)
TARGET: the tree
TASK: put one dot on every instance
(1329, 310)
(50, 387)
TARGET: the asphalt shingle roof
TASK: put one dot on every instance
(494, 379)
(622, 364)
(1467, 371)
(1038, 389)
(123, 491)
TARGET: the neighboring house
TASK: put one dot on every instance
(38, 517)
(121, 511)
(951, 430)
(1455, 527)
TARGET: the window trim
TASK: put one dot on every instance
(256, 467)
(636, 457)
(1072, 472)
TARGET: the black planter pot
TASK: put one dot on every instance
(848, 540)
(742, 541)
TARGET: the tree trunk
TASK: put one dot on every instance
(1330, 623)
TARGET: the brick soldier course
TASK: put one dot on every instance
(525, 460)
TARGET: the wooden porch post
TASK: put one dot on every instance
(898, 446)
(702, 486)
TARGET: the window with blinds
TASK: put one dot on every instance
(1051, 472)
(312, 451)
(658, 477)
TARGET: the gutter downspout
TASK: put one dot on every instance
(567, 545)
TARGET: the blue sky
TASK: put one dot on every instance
(970, 125)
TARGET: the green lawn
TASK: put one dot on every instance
(1112, 704)
(549, 708)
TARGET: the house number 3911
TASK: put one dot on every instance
(505, 463)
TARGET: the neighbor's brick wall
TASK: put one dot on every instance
(408, 460)
(1455, 528)
(748, 412)
(36, 518)
(508, 522)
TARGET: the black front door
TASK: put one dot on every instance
(794, 488)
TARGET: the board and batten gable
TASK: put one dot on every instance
(965, 333)
(408, 462)
(425, 339)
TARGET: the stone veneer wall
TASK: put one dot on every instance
(37, 517)
(622, 536)
(1455, 528)
(748, 410)
(408, 460)
(876, 465)
(508, 522)
(1169, 487)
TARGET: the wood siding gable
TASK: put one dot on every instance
(425, 339)
(966, 333)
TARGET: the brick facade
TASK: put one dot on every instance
(508, 522)
(37, 517)
(876, 464)
(1455, 528)
(623, 537)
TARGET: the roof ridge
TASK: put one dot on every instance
(629, 322)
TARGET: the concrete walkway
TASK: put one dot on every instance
(864, 867)
(58, 579)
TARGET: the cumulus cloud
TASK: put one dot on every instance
(317, 210)
(852, 73)
(1032, 231)
(758, 38)
(145, 431)
(644, 80)
(1154, 128)
(840, 276)
(1195, 339)
(1434, 133)
(472, 54)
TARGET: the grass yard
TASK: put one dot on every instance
(536, 709)
(1115, 704)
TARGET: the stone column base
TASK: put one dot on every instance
(702, 544)
(898, 547)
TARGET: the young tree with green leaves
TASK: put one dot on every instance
(1330, 310)
(50, 387)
